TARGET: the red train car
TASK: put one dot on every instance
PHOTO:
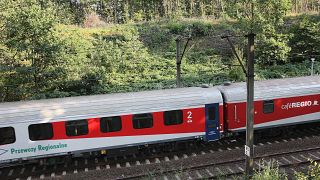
(279, 102)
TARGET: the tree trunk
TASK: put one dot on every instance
(191, 8)
(202, 13)
(222, 6)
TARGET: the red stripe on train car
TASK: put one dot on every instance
(196, 125)
(283, 108)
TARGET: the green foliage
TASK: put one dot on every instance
(152, 35)
(30, 45)
(313, 172)
(40, 57)
(193, 28)
(287, 70)
(273, 48)
(124, 11)
(269, 171)
(306, 39)
(43, 56)
(266, 13)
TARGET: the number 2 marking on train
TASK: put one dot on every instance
(189, 117)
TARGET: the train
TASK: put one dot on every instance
(39, 129)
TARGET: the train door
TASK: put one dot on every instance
(212, 122)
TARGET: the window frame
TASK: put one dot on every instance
(136, 117)
(107, 124)
(265, 106)
(170, 122)
(14, 139)
(80, 121)
(40, 139)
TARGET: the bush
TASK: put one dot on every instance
(287, 70)
(306, 39)
(313, 172)
(269, 171)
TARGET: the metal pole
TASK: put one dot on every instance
(236, 54)
(312, 64)
(250, 106)
(178, 62)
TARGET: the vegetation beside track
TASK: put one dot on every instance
(272, 172)
(58, 50)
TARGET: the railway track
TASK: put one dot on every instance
(285, 160)
(225, 158)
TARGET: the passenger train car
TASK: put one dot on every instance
(278, 102)
(67, 126)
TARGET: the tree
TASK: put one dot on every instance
(306, 39)
(272, 44)
(31, 48)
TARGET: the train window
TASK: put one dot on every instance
(268, 106)
(40, 131)
(141, 121)
(7, 135)
(212, 113)
(173, 117)
(77, 128)
(110, 124)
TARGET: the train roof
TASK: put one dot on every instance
(84, 107)
(271, 89)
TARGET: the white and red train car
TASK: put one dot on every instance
(279, 102)
(64, 126)
(54, 127)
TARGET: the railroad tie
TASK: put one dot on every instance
(165, 177)
(185, 156)
(295, 158)
(198, 174)
(177, 177)
(148, 161)
(316, 157)
(166, 159)
(10, 172)
(157, 160)
(209, 172)
(240, 168)
(22, 170)
(230, 169)
(118, 165)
